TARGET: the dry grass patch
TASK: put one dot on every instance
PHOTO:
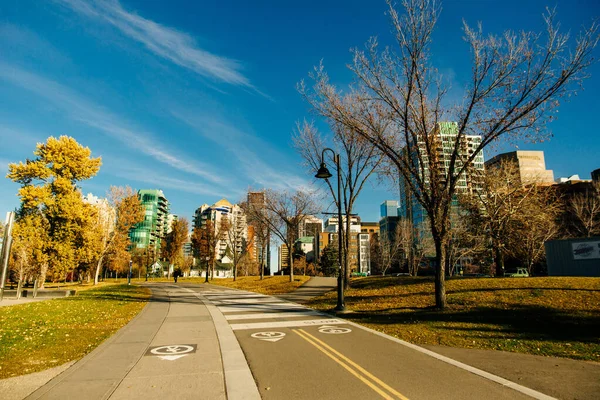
(552, 316)
(45, 334)
(269, 285)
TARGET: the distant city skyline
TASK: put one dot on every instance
(200, 101)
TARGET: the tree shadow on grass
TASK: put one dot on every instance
(381, 282)
(499, 289)
(525, 322)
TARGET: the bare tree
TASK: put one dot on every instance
(494, 208)
(259, 234)
(537, 223)
(398, 102)
(283, 212)
(389, 248)
(585, 212)
(466, 240)
(359, 159)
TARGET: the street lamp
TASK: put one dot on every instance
(323, 173)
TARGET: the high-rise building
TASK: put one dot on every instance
(283, 257)
(444, 141)
(171, 218)
(258, 248)
(153, 229)
(530, 164)
(331, 224)
(237, 235)
(389, 208)
(364, 253)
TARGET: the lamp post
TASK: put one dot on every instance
(206, 277)
(323, 173)
(129, 276)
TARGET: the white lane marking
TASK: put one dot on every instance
(268, 336)
(334, 330)
(261, 307)
(271, 315)
(286, 324)
(494, 378)
(234, 295)
(246, 301)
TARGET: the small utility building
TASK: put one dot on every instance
(573, 257)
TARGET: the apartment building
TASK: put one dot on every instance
(151, 232)
(236, 236)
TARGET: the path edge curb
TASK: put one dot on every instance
(239, 381)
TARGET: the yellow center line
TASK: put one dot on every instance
(328, 351)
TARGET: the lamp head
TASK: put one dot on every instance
(323, 172)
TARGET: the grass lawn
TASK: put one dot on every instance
(269, 285)
(45, 334)
(552, 316)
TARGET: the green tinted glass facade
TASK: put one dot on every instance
(151, 231)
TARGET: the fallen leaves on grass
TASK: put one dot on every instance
(41, 335)
(268, 285)
(552, 316)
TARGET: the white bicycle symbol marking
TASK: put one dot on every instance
(335, 330)
(268, 336)
(172, 350)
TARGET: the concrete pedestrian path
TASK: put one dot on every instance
(315, 286)
(172, 350)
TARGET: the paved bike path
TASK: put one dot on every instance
(297, 353)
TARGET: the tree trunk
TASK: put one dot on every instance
(98, 269)
(291, 256)
(498, 258)
(440, 275)
(234, 269)
(43, 272)
(262, 263)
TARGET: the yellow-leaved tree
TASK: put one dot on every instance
(49, 193)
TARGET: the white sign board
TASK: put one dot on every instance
(586, 250)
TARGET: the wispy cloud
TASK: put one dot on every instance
(246, 148)
(168, 43)
(85, 111)
(163, 181)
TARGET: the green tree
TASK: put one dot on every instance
(329, 260)
(48, 187)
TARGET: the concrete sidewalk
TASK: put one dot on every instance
(172, 349)
(315, 286)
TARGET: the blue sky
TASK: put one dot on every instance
(199, 98)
